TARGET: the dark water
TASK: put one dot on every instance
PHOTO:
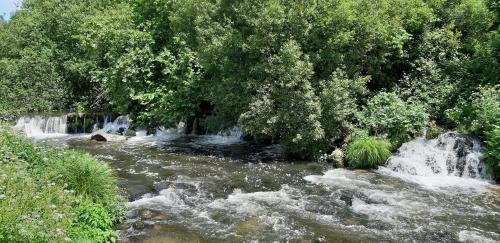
(218, 189)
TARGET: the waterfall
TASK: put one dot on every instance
(39, 126)
(119, 125)
(447, 160)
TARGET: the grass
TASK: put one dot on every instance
(368, 152)
(54, 195)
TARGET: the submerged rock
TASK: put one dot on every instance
(146, 214)
(250, 226)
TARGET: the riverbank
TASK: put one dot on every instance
(54, 195)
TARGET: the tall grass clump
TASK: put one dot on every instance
(92, 179)
(368, 152)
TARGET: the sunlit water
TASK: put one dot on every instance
(221, 189)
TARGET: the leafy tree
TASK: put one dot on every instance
(286, 108)
(339, 99)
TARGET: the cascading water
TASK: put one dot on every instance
(39, 126)
(119, 125)
(229, 136)
(448, 160)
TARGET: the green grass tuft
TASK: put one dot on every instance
(368, 152)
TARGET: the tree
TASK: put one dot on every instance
(286, 108)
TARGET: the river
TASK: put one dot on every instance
(219, 188)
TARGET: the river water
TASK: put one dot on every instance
(218, 188)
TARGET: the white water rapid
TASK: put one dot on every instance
(228, 136)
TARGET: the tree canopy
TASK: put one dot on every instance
(295, 72)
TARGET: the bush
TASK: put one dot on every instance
(339, 97)
(93, 222)
(368, 152)
(286, 109)
(480, 113)
(493, 154)
(386, 114)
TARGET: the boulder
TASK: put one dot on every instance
(98, 138)
(102, 136)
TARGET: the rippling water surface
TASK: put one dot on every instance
(218, 189)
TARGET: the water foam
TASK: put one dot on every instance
(226, 137)
(40, 127)
(450, 162)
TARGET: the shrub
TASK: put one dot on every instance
(93, 222)
(493, 154)
(368, 152)
(286, 109)
(386, 114)
(480, 113)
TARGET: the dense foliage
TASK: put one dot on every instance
(54, 195)
(387, 115)
(301, 73)
(479, 114)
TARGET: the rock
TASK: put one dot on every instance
(161, 185)
(131, 214)
(146, 214)
(160, 217)
(102, 136)
(121, 130)
(98, 138)
(139, 225)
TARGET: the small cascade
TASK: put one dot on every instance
(40, 126)
(448, 160)
(119, 125)
(194, 130)
(228, 136)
